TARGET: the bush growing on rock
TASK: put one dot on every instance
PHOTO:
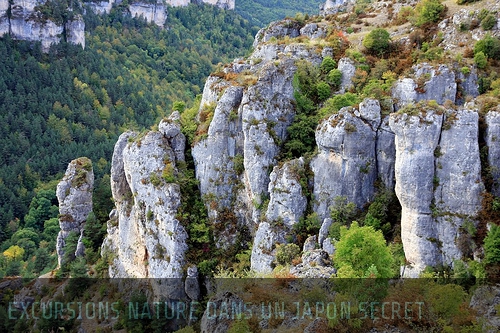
(378, 41)
(362, 250)
(285, 253)
(428, 11)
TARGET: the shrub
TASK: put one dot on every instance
(492, 245)
(362, 250)
(490, 46)
(334, 104)
(489, 22)
(285, 253)
(323, 91)
(480, 60)
(328, 64)
(378, 41)
(334, 78)
(428, 11)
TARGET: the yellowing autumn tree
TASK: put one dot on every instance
(14, 252)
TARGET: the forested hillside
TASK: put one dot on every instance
(262, 12)
(71, 102)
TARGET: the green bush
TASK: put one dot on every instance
(492, 245)
(362, 250)
(378, 41)
(334, 104)
(490, 46)
(480, 60)
(327, 65)
(323, 91)
(428, 11)
(489, 22)
(285, 253)
(334, 78)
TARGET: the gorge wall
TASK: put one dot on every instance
(425, 148)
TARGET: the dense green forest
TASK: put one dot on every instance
(71, 102)
(262, 12)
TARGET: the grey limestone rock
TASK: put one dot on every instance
(4, 18)
(310, 244)
(386, 154)
(313, 31)
(191, 285)
(346, 66)
(74, 193)
(287, 202)
(152, 12)
(492, 136)
(75, 31)
(315, 264)
(144, 237)
(430, 83)
(346, 162)
(416, 140)
(278, 30)
(458, 184)
(438, 183)
(286, 206)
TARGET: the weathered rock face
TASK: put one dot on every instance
(75, 31)
(27, 23)
(438, 183)
(4, 18)
(144, 237)
(346, 66)
(346, 163)
(457, 196)
(101, 7)
(430, 83)
(416, 140)
(492, 135)
(154, 13)
(287, 205)
(335, 6)
(74, 193)
(233, 160)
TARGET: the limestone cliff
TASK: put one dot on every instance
(438, 183)
(155, 13)
(74, 193)
(26, 20)
(427, 152)
(144, 237)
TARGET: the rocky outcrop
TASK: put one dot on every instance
(416, 140)
(346, 163)
(244, 114)
(28, 22)
(225, 4)
(348, 69)
(287, 205)
(438, 183)
(430, 83)
(457, 181)
(4, 18)
(316, 263)
(74, 193)
(154, 13)
(491, 137)
(101, 7)
(144, 237)
(75, 31)
(335, 6)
